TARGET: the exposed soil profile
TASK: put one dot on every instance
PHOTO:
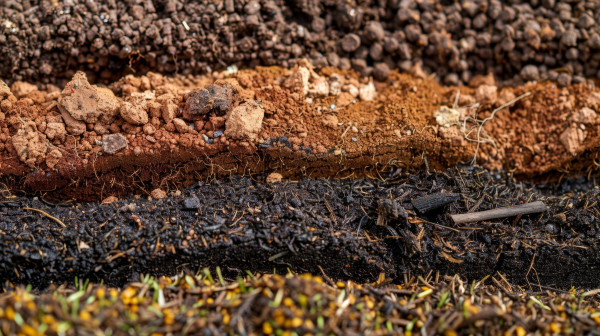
(87, 141)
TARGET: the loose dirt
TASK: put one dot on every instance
(156, 131)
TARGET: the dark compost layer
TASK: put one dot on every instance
(348, 229)
(526, 40)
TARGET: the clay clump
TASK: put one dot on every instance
(244, 121)
(87, 103)
(30, 144)
(218, 98)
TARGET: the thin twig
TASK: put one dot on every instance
(523, 209)
(47, 215)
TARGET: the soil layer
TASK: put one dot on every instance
(88, 142)
(516, 40)
(348, 229)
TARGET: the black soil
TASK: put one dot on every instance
(520, 40)
(347, 229)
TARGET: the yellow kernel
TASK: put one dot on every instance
(210, 301)
(450, 333)
(226, 319)
(85, 315)
(340, 284)
(113, 293)
(520, 331)
(10, 313)
(288, 302)
(48, 319)
(554, 327)
(28, 330)
(267, 328)
(128, 294)
(296, 322)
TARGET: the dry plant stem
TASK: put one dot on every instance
(524, 209)
(47, 215)
(526, 94)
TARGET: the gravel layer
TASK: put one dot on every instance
(520, 40)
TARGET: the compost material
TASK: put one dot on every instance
(346, 229)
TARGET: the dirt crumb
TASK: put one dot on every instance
(330, 120)
(572, 139)
(367, 92)
(53, 157)
(274, 177)
(585, 116)
(110, 199)
(86, 102)
(22, 89)
(218, 98)
(56, 130)
(30, 144)
(112, 143)
(244, 121)
(158, 194)
(486, 94)
(133, 110)
(180, 125)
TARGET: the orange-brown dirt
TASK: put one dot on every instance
(90, 142)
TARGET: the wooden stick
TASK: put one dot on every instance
(523, 209)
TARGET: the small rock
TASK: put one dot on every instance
(169, 111)
(245, 121)
(572, 139)
(191, 203)
(486, 94)
(109, 200)
(218, 98)
(530, 73)
(563, 80)
(350, 42)
(180, 125)
(367, 91)
(112, 143)
(158, 194)
(274, 177)
(86, 102)
(381, 71)
(319, 87)
(330, 120)
(56, 130)
(133, 111)
(446, 116)
(585, 116)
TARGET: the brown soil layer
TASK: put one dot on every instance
(267, 304)
(519, 40)
(152, 131)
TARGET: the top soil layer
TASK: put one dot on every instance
(520, 40)
(296, 122)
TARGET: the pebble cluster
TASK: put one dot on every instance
(456, 40)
